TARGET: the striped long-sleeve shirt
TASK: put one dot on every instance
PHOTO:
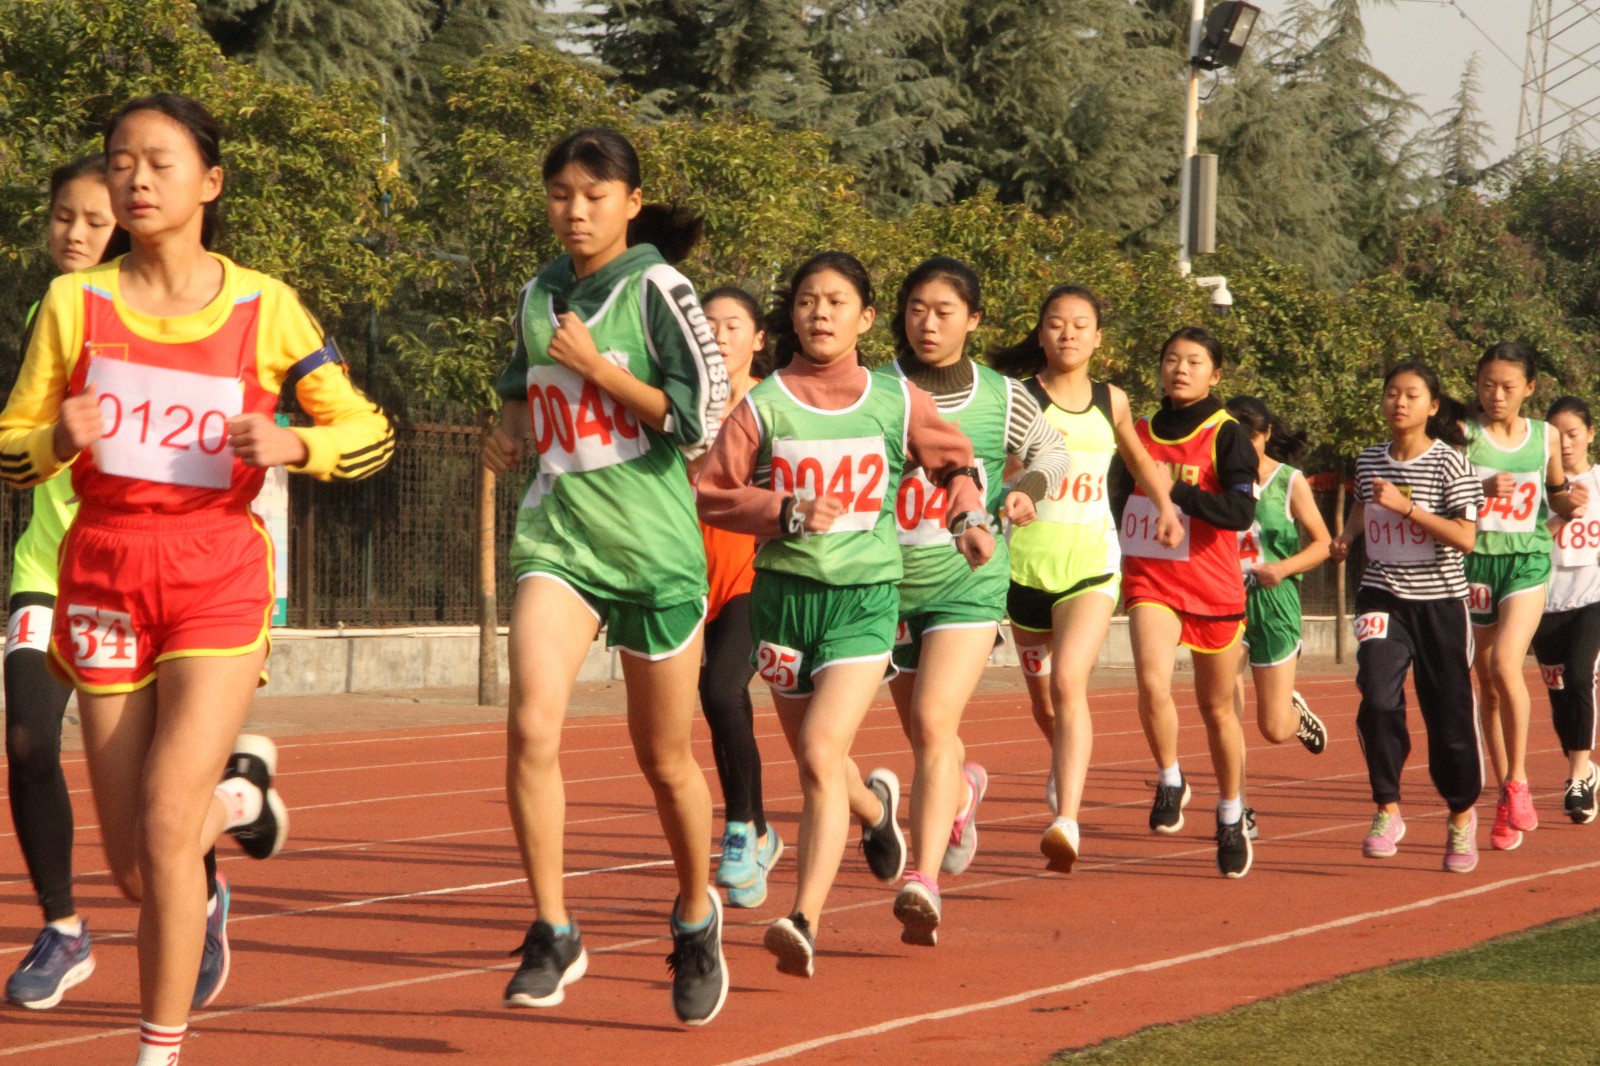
(1402, 557)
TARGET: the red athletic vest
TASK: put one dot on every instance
(166, 408)
(1201, 576)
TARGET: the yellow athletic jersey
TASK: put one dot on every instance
(170, 453)
(34, 562)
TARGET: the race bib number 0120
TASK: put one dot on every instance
(1516, 513)
(169, 426)
(1138, 532)
(1577, 543)
(853, 470)
(1392, 538)
(576, 427)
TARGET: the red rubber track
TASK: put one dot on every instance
(380, 934)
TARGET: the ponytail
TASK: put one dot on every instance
(1446, 423)
(1283, 444)
(1026, 358)
(607, 155)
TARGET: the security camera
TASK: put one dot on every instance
(1221, 298)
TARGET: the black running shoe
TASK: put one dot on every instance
(1249, 820)
(255, 758)
(1166, 814)
(791, 941)
(1311, 732)
(883, 844)
(1580, 798)
(699, 972)
(1234, 853)
(549, 964)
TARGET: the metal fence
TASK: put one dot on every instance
(401, 548)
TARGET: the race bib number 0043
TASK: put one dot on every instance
(853, 470)
(1516, 513)
(1138, 532)
(1080, 499)
(921, 508)
(169, 426)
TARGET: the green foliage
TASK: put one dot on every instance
(303, 172)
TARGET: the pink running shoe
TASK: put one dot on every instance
(964, 833)
(917, 907)
(1520, 799)
(1383, 839)
(1503, 837)
(1461, 847)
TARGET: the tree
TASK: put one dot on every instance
(1460, 141)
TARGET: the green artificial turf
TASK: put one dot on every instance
(1533, 998)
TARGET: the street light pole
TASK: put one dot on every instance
(1191, 135)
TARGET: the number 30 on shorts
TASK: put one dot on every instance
(1480, 599)
(778, 666)
(101, 638)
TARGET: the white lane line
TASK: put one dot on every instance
(791, 1050)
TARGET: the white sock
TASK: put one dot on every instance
(1170, 776)
(1230, 811)
(159, 1045)
(1071, 829)
(70, 926)
(242, 800)
(211, 904)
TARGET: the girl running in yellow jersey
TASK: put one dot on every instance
(1066, 566)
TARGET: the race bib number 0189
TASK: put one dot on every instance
(1577, 543)
(1138, 532)
(1516, 513)
(169, 426)
(853, 470)
(101, 638)
(576, 427)
(779, 666)
(1395, 539)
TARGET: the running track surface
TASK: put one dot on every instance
(380, 934)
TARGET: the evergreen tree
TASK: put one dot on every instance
(1460, 141)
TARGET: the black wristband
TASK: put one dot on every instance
(1556, 490)
(786, 517)
(971, 471)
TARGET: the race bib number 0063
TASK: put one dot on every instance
(29, 628)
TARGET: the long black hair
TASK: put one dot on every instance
(1569, 405)
(1026, 358)
(958, 275)
(606, 155)
(780, 320)
(202, 127)
(1197, 335)
(90, 166)
(1445, 423)
(1283, 444)
(761, 361)
(1520, 353)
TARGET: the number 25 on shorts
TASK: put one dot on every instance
(779, 666)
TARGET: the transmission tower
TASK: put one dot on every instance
(1561, 78)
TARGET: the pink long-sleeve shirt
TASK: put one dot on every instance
(728, 500)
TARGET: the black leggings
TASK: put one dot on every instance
(1567, 647)
(40, 807)
(725, 700)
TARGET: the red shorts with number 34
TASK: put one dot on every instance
(138, 589)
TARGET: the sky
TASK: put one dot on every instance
(1424, 46)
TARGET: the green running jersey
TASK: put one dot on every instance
(1272, 537)
(1515, 524)
(922, 521)
(856, 454)
(611, 507)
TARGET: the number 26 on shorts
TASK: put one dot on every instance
(779, 666)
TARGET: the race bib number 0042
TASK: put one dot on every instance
(853, 470)
(169, 426)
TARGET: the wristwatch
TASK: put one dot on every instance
(965, 520)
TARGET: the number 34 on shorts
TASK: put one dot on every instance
(101, 638)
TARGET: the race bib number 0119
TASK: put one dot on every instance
(1394, 539)
(853, 470)
(1577, 543)
(779, 666)
(576, 427)
(1138, 532)
(169, 426)
(1372, 626)
(101, 638)
(1516, 513)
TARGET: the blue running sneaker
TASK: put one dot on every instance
(767, 856)
(738, 868)
(55, 963)
(214, 962)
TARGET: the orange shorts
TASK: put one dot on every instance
(1200, 633)
(139, 589)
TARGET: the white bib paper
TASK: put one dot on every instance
(169, 426)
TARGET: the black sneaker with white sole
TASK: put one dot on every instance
(550, 962)
(1310, 732)
(255, 758)
(1579, 801)
(699, 971)
(1166, 813)
(1249, 820)
(883, 844)
(1234, 853)
(791, 941)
